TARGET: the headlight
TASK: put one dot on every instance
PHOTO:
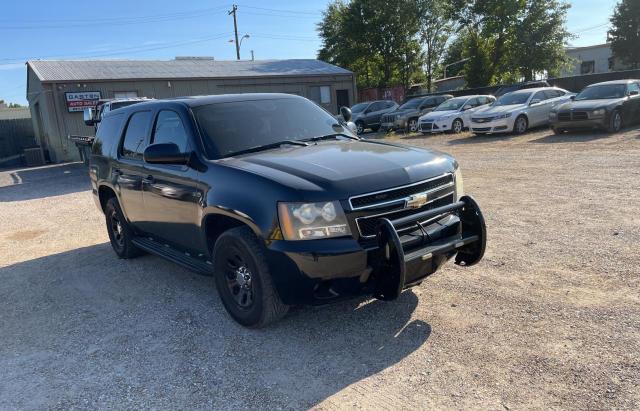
(598, 113)
(459, 185)
(553, 114)
(506, 115)
(312, 221)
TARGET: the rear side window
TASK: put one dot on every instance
(634, 87)
(169, 129)
(376, 107)
(108, 134)
(136, 135)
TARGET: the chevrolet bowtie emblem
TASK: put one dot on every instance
(416, 201)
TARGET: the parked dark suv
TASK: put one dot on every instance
(406, 116)
(366, 115)
(279, 202)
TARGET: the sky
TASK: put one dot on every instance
(163, 29)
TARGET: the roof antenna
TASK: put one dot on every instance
(252, 57)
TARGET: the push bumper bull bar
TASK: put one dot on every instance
(399, 247)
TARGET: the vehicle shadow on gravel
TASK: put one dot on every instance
(84, 327)
(573, 137)
(41, 182)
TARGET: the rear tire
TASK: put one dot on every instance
(243, 279)
(615, 122)
(121, 234)
(557, 131)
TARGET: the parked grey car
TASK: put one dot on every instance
(407, 115)
(366, 115)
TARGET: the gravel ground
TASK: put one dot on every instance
(549, 319)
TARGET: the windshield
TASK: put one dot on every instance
(359, 107)
(120, 104)
(233, 127)
(512, 99)
(602, 92)
(414, 103)
(452, 104)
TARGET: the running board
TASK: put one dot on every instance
(171, 254)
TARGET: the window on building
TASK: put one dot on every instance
(588, 67)
(320, 94)
(125, 94)
(134, 139)
(169, 129)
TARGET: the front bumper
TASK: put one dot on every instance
(434, 127)
(601, 122)
(406, 250)
(503, 125)
(397, 124)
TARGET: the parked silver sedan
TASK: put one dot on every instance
(518, 111)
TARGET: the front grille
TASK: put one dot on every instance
(482, 129)
(374, 199)
(482, 119)
(368, 226)
(389, 118)
(426, 126)
(573, 116)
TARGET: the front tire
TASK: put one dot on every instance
(521, 125)
(121, 234)
(243, 279)
(557, 131)
(412, 126)
(615, 122)
(457, 126)
(359, 127)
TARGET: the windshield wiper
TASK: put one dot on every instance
(269, 146)
(331, 137)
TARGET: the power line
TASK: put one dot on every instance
(284, 11)
(120, 21)
(138, 49)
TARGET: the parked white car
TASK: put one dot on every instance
(453, 115)
(518, 111)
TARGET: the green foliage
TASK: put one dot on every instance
(435, 29)
(625, 32)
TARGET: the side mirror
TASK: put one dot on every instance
(467, 107)
(572, 98)
(534, 101)
(165, 153)
(346, 113)
(89, 116)
(633, 93)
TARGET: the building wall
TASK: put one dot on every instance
(57, 123)
(601, 56)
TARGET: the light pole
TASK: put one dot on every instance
(246, 36)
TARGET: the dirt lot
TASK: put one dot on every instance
(549, 319)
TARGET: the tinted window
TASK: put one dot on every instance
(513, 98)
(169, 129)
(136, 134)
(602, 92)
(376, 106)
(540, 95)
(453, 104)
(108, 133)
(389, 104)
(554, 93)
(229, 128)
(430, 102)
(634, 87)
(413, 103)
(359, 107)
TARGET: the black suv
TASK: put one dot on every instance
(367, 114)
(278, 201)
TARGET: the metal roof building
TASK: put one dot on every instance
(59, 90)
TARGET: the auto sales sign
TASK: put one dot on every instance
(78, 101)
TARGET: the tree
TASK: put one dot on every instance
(539, 41)
(375, 39)
(478, 51)
(625, 32)
(435, 29)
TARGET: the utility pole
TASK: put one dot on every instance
(233, 11)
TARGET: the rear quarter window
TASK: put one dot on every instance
(108, 135)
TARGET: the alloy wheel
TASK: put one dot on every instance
(521, 125)
(117, 230)
(617, 121)
(239, 280)
(413, 125)
(457, 126)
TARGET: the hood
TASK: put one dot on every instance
(437, 114)
(588, 104)
(404, 111)
(340, 169)
(495, 110)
